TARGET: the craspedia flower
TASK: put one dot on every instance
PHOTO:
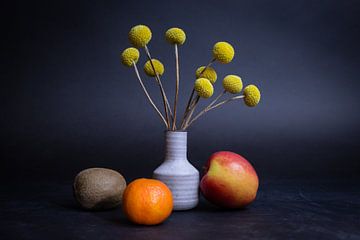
(232, 84)
(209, 73)
(139, 36)
(129, 56)
(175, 36)
(159, 68)
(252, 95)
(203, 87)
(223, 52)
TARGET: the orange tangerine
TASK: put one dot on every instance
(147, 201)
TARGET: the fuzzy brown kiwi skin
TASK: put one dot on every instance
(98, 188)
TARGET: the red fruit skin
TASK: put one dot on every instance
(230, 181)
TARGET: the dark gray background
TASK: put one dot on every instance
(68, 103)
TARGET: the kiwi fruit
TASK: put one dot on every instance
(99, 188)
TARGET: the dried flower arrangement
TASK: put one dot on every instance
(206, 76)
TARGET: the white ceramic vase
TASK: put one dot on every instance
(177, 173)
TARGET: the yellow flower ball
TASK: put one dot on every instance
(129, 56)
(175, 36)
(252, 95)
(139, 36)
(232, 84)
(203, 87)
(209, 73)
(223, 52)
(159, 68)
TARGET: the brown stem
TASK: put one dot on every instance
(177, 85)
(148, 96)
(226, 101)
(217, 98)
(212, 107)
(157, 77)
(213, 102)
(189, 105)
(191, 111)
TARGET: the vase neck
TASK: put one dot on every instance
(175, 145)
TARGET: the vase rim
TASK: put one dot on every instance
(174, 131)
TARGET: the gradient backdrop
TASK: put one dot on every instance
(68, 104)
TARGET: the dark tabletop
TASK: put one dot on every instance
(284, 209)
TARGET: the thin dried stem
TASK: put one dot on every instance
(148, 96)
(191, 111)
(187, 106)
(157, 77)
(191, 100)
(163, 94)
(213, 102)
(216, 99)
(177, 85)
(226, 101)
(212, 107)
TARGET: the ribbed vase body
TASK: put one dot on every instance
(177, 173)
